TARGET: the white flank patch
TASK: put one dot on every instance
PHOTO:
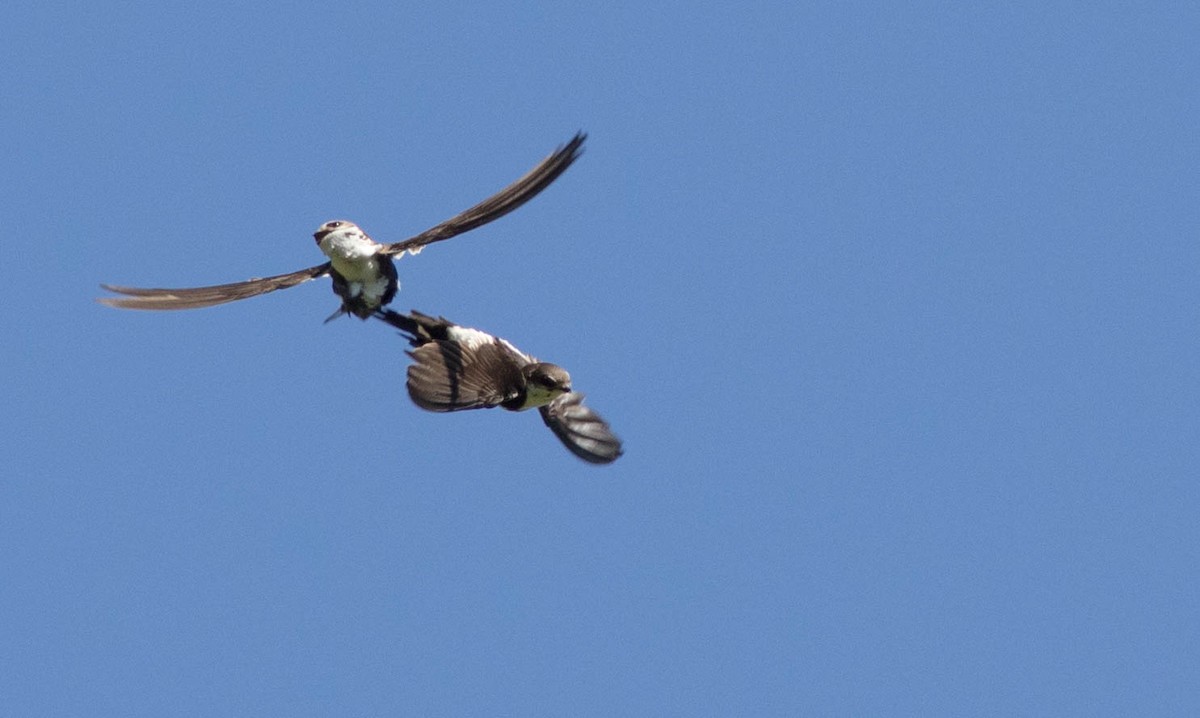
(375, 290)
(468, 337)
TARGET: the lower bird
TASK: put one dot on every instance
(456, 368)
(363, 271)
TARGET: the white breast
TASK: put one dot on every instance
(352, 253)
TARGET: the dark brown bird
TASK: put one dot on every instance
(456, 368)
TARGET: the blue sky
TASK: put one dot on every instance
(894, 305)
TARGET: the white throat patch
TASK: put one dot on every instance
(352, 253)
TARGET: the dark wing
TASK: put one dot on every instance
(197, 297)
(581, 430)
(499, 204)
(450, 376)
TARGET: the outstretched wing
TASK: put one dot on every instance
(581, 430)
(499, 204)
(452, 376)
(197, 297)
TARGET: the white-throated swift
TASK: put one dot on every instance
(456, 368)
(362, 270)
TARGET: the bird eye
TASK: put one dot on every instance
(334, 225)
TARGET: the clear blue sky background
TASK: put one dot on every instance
(894, 304)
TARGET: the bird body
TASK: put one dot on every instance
(363, 271)
(364, 276)
(456, 368)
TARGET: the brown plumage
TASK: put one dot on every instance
(457, 368)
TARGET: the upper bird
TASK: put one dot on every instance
(363, 271)
(458, 368)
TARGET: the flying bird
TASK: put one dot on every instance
(456, 368)
(362, 270)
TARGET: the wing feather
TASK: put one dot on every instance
(197, 297)
(499, 204)
(449, 376)
(581, 430)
